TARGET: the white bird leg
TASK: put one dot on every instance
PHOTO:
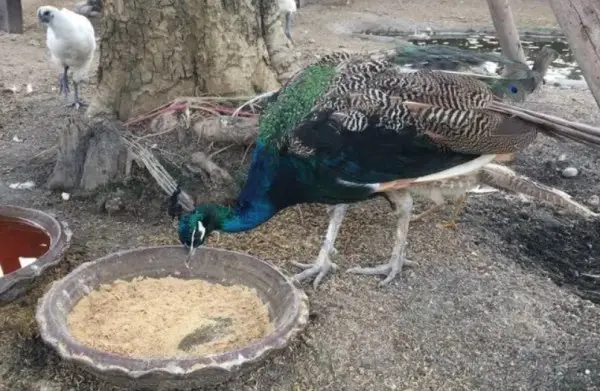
(64, 89)
(78, 102)
(288, 25)
(404, 203)
(323, 263)
(64, 83)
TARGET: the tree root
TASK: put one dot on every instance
(215, 173)
(237, 130)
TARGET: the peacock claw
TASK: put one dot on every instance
(317, 270)
(390, 270)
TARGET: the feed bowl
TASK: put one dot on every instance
(288, 311)
(30, 242)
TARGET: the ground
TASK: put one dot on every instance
(494, 305)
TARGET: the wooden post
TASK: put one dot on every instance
(11, 16)
(506, 30)
(580, 21)
(508, 37)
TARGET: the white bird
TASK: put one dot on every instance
(287, 8)
(71, 40)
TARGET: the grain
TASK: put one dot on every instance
(169, 317)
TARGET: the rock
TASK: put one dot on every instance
(562, 157)
(570, 172)
(594, 200)
(114, 203)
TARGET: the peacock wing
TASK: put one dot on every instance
(471, 130)
(455, 110)
(358, 147)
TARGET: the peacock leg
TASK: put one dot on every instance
(426, 213)
(323, 264)
(459, 205)
(404, 203)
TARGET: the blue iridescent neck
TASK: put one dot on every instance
(253, 206)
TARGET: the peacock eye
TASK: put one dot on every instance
(514, 89)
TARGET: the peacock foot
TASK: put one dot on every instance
(317, 270)
(390, 269)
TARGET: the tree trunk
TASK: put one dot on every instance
(153, 52)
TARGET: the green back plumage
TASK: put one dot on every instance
(293, 103)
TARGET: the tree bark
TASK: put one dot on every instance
(580, 21)
(153, 52)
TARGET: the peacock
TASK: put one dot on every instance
(355, 126)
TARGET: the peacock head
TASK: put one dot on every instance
(196, 227)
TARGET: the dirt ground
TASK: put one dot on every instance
(494, 305)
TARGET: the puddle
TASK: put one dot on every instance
(21, 244)
(563, 71)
